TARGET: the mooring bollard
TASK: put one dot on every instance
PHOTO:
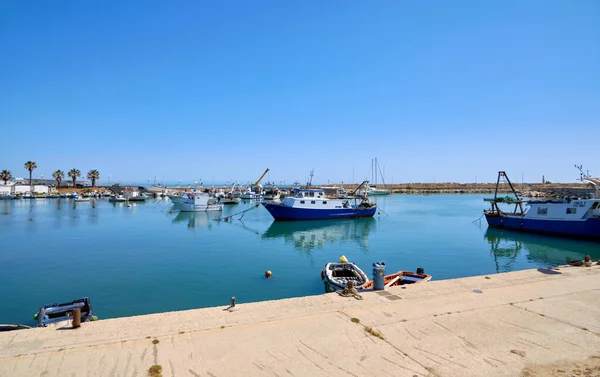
(420, 271)
(232, 302)
(378, 276)
(76, 318)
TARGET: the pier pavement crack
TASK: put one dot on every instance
(324, 357)
(455, 334)
(441, 357)
(401, 366)
(559, 321)
(397, 349)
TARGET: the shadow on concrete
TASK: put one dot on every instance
(549, 271)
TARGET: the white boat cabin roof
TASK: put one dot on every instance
(310, 193)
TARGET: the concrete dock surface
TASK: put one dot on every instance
(543, 322)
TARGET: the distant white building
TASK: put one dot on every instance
(22, 189)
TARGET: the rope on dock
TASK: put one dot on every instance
(227, 218)
(350, 292)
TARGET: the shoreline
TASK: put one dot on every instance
(536, 321)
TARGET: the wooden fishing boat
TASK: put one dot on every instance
(337, 275)
(400, 278)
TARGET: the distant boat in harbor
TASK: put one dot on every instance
(117, 199)
(579, 218)
(198, 202)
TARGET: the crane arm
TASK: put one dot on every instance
(261, 177)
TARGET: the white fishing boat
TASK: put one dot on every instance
(82, 198)
(249, 194)
(271, 193)
(229, 199)
(117, 199)
(198, 202)
(133, 195)
(6, 196)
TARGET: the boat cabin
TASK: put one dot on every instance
(310, 194)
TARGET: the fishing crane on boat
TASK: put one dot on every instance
(261, 177)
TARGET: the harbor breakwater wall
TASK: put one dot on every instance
(535, 190)
(528, 190)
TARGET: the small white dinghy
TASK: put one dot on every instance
(337, 275)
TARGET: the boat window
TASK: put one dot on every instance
(312, 202)
(595, 205)
(571, 211)
(324, 201)
(542, 211)
(302, 202)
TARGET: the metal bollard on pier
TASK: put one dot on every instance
(76, 318)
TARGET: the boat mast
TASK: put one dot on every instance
(518, 201)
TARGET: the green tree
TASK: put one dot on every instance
(29, 166)
(93, 175)
(5, 176)
(58, 175)
(74, 173)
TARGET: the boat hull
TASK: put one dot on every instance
(585, 229)
(186, 207)
(283, 213)
(399, 278)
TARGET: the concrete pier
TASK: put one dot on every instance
(527, 323)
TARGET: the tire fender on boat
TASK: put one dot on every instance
(322, 274)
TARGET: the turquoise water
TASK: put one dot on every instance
(147, 259)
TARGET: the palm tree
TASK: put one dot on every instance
(30, 165)
(74, 173)
(58, 175)
(5, 176)
(93, 175)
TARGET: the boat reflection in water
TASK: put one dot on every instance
(197, 219)
(315, 234)
(506, 247)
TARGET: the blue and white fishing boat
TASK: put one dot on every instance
(579, 218)
(312, 204)
(198, 202)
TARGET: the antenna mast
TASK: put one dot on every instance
(582, 174)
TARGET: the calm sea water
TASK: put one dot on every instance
(147, 259)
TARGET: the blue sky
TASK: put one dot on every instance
(444, 90)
